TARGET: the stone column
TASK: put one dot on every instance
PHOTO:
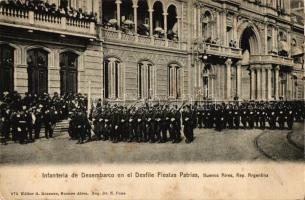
(179, 27)
(228, 78)
(165, 24)
(264, 84)
(238, 79)
(151, 31)
(259, 84)
(135, 18)
(118, 12)
(89, 6)
(269, 83)
(276, 84)
(144, 79)
(252, 83)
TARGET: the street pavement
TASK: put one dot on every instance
(209, 146)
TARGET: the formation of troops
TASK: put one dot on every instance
(23, 118)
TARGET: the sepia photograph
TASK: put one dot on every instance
(150, 82)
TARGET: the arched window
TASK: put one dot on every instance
(172, 23)
(6, 68)
(109, 13)
(143, 18)
(127, 18)
(158, 20)
(68, 73)
(207, 26)
(112, 78)
(145, 80)
(174, 76)
(37, 60)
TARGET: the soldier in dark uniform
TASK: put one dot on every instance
(72, 126)
(81, 126)
(38, 120)
(49, 122)
(164, 125)
(172, 126)
(230, 116)
(23, 123)
(262, 118)
(209, 117)
(251, 117)
(131, 126)
(290, 118)
(188, 124)
(2, 134)
(236, 117)
(158, 126)
(123, 125)
(272, 118)
(220, 118)
(244, 117)
(177, 125)
(6, 121)
(281, 117)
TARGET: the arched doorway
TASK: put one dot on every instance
(37, 71)
(250, 46)
(249, 42)
(68, 73)
(6, 68)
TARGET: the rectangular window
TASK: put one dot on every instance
(106, 79)
(149, 81)
(116, 80)
(140, 81)
(178, 82)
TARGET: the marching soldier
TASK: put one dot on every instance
(49, 122)
(188, 126)
(290, 118)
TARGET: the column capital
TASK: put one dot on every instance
(239, 63)
(228, 62)
(118, 1)
(135, 6)
(150, 10)
(277, 67)
(165, 14)
(178, 17)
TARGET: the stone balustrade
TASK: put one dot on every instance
(219, 50)
(272, 59)
(46, 22)
(113, 35)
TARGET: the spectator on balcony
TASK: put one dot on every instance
(208, 40)
(143, 29)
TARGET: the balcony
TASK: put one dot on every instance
(273, 59)
(218, 50)
(32, 20)
(110, 35)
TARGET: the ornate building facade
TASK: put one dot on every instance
(155, 49)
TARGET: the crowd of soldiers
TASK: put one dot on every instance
(162, 123)
(249, 115)
(145, 123)
(22, 118)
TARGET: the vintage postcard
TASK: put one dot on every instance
(152, 99)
